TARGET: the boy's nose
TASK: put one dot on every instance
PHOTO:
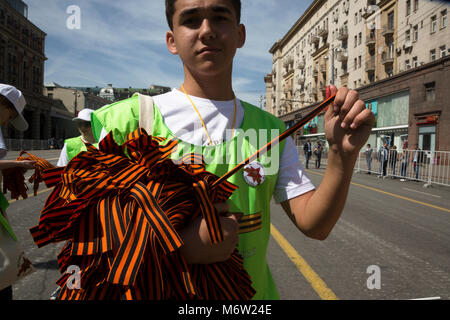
(206, 30)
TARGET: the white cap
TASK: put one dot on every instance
(84, 115)
(18, 100)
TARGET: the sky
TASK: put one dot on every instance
(123, 43)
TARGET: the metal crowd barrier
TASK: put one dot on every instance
(430, 167)
(26, 144)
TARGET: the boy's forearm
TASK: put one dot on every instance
(326, 205)
(7, 164)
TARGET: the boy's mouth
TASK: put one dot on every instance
(208, 50)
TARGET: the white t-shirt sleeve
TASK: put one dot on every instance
(63, 157)
(292, 179)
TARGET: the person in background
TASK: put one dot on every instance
(383, 156)
(12, 103)
(368, 154)
(74, 146)
(308, 151)
(318, 153)
(417, 159)
(393, 158)
(403, 165)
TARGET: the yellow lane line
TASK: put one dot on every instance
(392, 194)
(313, 278)
(31, 195)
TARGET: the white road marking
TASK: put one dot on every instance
(428, 194)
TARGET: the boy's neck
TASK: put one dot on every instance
(212, 88)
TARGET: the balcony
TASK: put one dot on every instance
(370, 65)
(323, 68)
(316, 72)
(323, 32)
(388, 31)
(315, 39)
(342, 55)
(301, 64)
(407, 45)
(371, 41)
(343, 33)
(387, 58)
(369, 9)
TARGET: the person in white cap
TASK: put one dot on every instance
(12, 104)
(74, 146)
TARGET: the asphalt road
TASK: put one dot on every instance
(392, 242)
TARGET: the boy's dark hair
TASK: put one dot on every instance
(170, 11)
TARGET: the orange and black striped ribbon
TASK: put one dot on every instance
(120, 208)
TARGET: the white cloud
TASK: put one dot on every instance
(124, 43)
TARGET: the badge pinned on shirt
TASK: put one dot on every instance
(254, 174)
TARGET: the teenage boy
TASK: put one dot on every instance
(206, 34)
(74, 146)
(12, 103)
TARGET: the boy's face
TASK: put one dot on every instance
(205, 35)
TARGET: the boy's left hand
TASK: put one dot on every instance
(348, 123)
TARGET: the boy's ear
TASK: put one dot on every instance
(242, 36)
(170, 41)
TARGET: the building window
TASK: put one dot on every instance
(391, 20)
(408, 35)
(415, 62)
(356, 63)
(430, 91)
(433, 55)
(360, 38)
(356, 41)
(443, 18)
(407, 65)
(416, 33)
(408, 7)
(416, 5)
(359, 62)
(433, 24)
(443, 51)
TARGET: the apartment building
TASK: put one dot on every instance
(325, 46)
(362, 44)
(424, 35)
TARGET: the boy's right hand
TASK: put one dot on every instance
(198, 248)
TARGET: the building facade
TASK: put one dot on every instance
(74, 99)
(22, 58)
(364, 45)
